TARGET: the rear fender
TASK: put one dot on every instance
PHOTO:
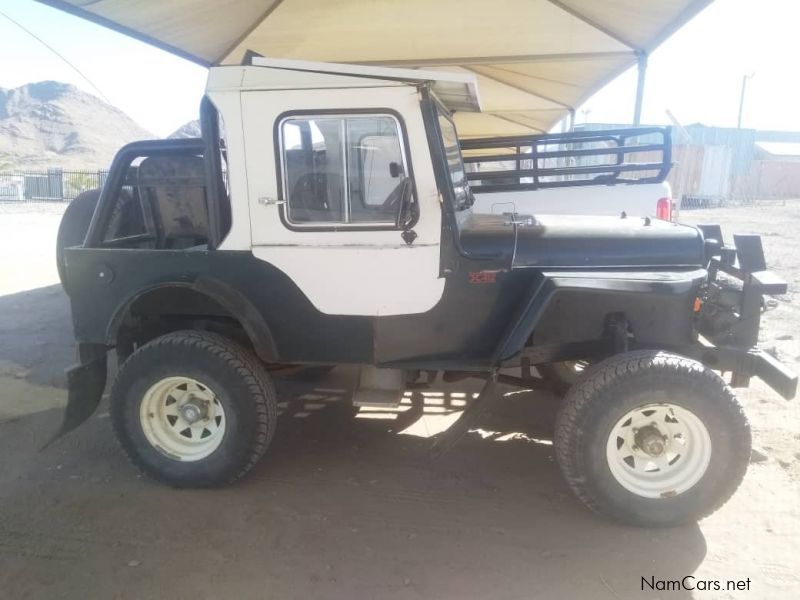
(229, 299)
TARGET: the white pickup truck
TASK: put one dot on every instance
(607, 172)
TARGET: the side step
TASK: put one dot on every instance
(379, 388)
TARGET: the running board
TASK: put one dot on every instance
(379, 388)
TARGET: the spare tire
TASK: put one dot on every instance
(73, 227)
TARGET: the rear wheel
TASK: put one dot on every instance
(193, 409)
(652, 438)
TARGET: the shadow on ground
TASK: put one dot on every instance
(340, 507)
(36, 335)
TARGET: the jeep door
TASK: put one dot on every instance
(326, 180)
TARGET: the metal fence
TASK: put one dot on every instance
(701, 177)
(53, 185)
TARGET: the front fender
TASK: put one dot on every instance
(565, 307)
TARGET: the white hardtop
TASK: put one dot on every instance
(457, 91)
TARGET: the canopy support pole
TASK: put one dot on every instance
(641, 61)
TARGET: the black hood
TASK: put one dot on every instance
(584, 241)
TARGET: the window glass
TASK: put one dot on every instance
(342, 169)
(455, 164)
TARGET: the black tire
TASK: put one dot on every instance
(241, 386)
(612, 388)
(73, 227)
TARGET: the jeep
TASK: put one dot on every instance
(326, 218)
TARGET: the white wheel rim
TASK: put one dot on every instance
(182, 418)
(658, 450)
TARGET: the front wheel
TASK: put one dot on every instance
(193, 409)
(652, 438)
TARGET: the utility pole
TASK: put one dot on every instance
(745, 78)
(641, 63)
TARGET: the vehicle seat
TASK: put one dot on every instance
(316, 197)
(174, 189)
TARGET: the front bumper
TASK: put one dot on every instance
(774, 373)
(745, 364)
(729, 314)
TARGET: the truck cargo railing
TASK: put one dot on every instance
(531, 162)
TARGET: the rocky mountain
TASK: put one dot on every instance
(187, 130)
(52, 124)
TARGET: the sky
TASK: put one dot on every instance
(696, 74)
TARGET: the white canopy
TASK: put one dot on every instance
(535, 60)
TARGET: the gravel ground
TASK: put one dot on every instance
(353, 509)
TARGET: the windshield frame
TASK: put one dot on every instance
(462, 198)
(452, 220)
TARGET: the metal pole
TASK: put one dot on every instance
(741, 100)
(641, 58)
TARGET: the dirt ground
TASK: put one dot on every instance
(351, 509)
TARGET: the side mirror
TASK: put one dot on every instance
(395, 169)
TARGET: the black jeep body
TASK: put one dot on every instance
(519, 289)
(648, 307)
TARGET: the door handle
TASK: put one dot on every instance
(267, 201)
(520, 222)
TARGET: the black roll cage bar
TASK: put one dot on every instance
(209, 146)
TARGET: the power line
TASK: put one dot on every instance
(58, 54)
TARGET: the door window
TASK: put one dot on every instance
(343, 169)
